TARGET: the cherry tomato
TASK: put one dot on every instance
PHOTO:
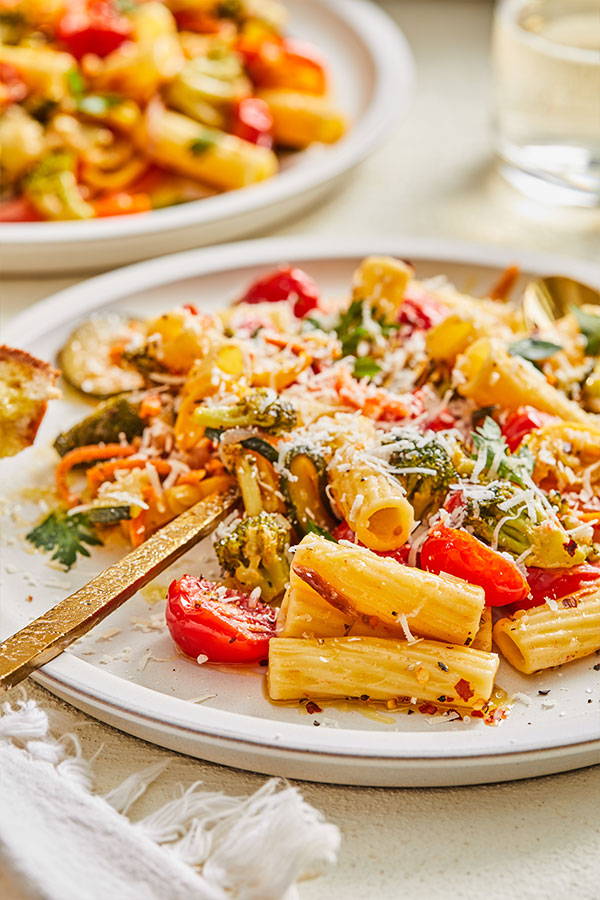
(18, 210)
(460, 553)
(556, 583)
(13, 88)
(121, 203)
(286, 283)
(287, 64)
(92, 26)
(343, 532)
(253, 122)
(522, 422)
(420, 311)
(206, 618)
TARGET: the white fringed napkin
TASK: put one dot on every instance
(60, 841)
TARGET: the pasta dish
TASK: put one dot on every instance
(113, 107)
(419, 477)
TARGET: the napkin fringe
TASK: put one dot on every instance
(250, 848)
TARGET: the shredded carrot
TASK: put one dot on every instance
(136, 528)
(192, 477)
(115, 353)
(88, 453)
(150, 406)
(284, 343)
(505, 284)
(375, 403)
(105, 471)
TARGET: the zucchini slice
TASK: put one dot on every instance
(86, 360)
(263, 448)
(305, 490)
(257, 444)
(106, 424)
(109, 515)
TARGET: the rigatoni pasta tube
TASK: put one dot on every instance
(219, 159)
(483, 638)
(542, 637)
(304, 613)
(370, 500)
(300, 119)
(490, 375)
(380, 668)
(376, 589)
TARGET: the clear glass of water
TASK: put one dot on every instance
(546, 60)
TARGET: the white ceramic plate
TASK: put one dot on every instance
(135, 680)
(372, 75)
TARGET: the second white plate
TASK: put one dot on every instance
(127, 672)
(372, 75)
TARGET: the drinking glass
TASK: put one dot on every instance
(546, 61)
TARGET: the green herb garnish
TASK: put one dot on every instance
(312, 528)
(589, 325)
(365, 367)
(201, 145)
(66, 535)
(75, 82)
(534, 349)
(314, 323)
(351, 328)
(98, 104)
(515, 467)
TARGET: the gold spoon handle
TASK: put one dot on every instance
(50, 633)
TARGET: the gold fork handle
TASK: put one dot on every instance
(50, 633)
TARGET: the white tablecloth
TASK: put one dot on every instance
(534, 839)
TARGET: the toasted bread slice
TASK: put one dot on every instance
(26, 385)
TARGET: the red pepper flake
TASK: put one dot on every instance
(428, 709)
(569, 603)
(495, 716)
(477, 714)
(464, 689)
(312, 708)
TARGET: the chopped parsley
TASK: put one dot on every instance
(201, 145)
(589, 325)
(97, 104)
(65, 536)
(75, 82)
(534, 349)
(365, 367)
(351, 328)
(515, 467)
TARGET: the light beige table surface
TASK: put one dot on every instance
(534, 839)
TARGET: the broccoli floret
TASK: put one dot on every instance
(261, 408)
(52, 188)
(254, 553)
(424, 468)
(532, 526)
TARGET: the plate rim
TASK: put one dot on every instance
(68, 673)
(393, 64)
